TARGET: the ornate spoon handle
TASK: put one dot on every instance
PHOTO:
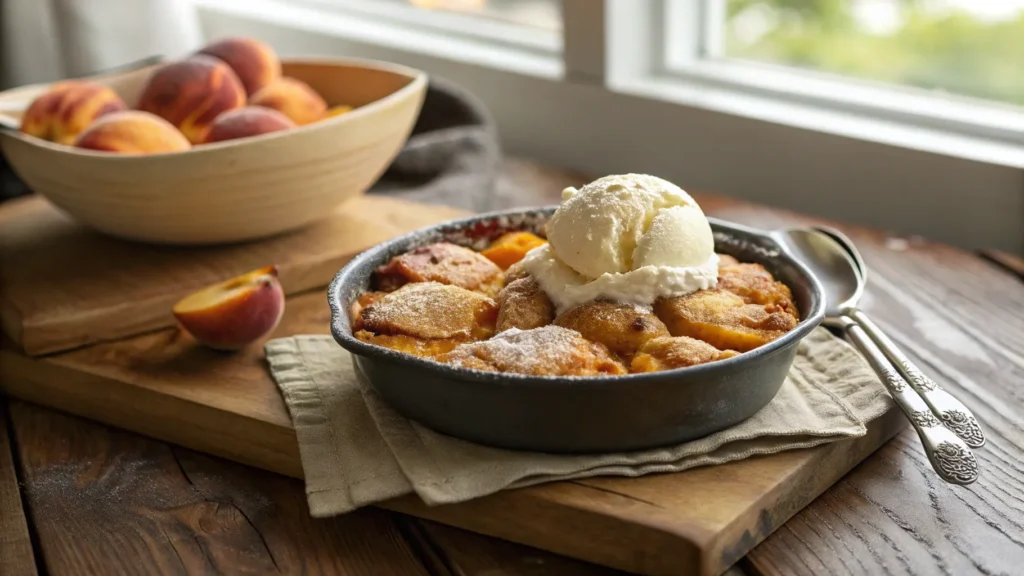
(953, 414)
(952, 460)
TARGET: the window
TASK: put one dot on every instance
(542, 14)
(946, 65)
(962, 47)
(936, 75)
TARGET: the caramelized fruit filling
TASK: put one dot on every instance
(436, 302)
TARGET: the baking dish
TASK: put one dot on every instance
(575, 414)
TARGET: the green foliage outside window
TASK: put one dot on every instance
(949, 50)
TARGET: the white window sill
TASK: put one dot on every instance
(495, 45)
(804, 115)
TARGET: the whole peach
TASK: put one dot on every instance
(293, 98)
(132, 132)
(67, 108)
(248, 121)
(191, 93)
(255, 63)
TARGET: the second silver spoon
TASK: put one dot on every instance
(950, 411)
(949, 455)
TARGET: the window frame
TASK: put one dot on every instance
(695, 57)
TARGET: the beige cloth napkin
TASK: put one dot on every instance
(357, 451)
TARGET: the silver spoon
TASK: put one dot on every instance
(950, 411)
(950, 457)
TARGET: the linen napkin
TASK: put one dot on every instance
(357, 451)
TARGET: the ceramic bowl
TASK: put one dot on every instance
(575, 414)
(234, 190)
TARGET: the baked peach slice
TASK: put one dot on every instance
(670, 352)
(234, 313)
(546, 351)
(524, 305)
(723, 319)
(441, 262)
(511, 248)
(622, 328)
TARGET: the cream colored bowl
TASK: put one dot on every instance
(233, 190)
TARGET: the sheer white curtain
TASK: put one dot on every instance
(46, 40)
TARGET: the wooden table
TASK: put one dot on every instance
(77, 497)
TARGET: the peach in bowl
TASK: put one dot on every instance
(178, 152)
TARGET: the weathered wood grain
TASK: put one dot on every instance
(962, 320)
(464, 553)
(62, 285)
(110, 502)
(16, 557)
(891, 516)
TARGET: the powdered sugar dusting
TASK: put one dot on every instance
(550, 350)
(428, 310)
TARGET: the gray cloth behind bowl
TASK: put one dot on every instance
(451, 158)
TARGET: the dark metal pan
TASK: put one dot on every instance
(575, 414)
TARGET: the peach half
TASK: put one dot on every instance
(230, 315)
(255, 63)
(132, 132)
(65, 110)
(191, 94)
(245, 122)
(293, 98)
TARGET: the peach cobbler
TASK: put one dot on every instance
(623, 279)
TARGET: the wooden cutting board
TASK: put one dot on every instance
(64, 286)
(696, 522)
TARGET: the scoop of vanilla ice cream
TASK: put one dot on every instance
(627, 238)
(678, 236)
(619, 223)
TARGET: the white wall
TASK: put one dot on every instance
(971, 204)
